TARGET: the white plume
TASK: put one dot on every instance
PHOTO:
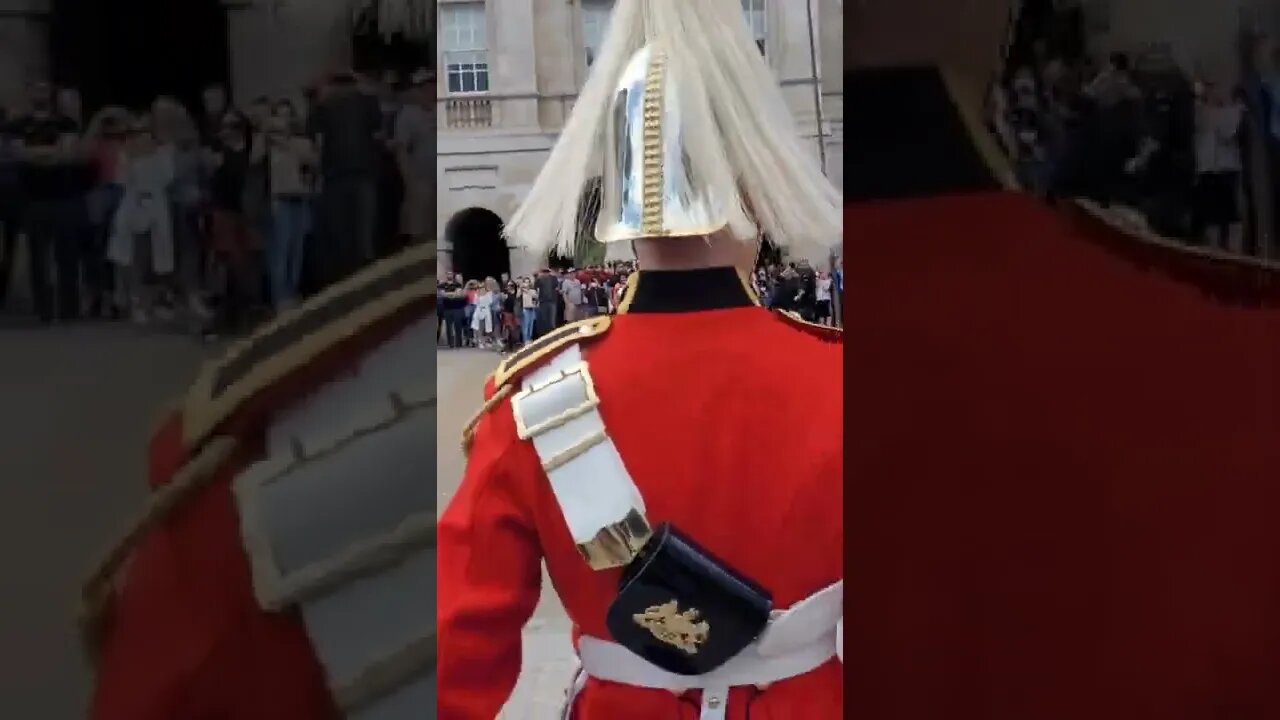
(742, 138)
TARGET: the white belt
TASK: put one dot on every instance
(796, 641)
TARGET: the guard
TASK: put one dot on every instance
(678, 467)
(283, 565)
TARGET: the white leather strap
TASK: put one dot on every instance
(840, 639)
(557, 409)
(797, 640)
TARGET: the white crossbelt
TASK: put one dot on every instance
(557, 410)
(796, 641)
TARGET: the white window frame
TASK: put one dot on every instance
(461, 57)
(759, 34)
(590, 11)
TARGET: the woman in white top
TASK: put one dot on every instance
(1218, 119)
(482, 318)
(142, 233)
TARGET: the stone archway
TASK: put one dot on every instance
(474, 237)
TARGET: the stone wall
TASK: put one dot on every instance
(1203, 37)
(964, 35)
(24, 48)
(280, 46)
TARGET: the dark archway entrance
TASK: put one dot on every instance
(556, 261)
(479, 250)
(128, 52)
(588, 250)
(371, 50)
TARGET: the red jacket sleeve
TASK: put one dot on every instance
(185, 637)
(490, 575)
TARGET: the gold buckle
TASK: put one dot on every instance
(524, 432)
(618, 544)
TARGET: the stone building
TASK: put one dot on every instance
(509, 71)
(255, 47)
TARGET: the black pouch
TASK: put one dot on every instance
(682, 609)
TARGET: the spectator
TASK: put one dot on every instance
(105, 139)
(1027, 119)
(496, 309)
(615, 294)
(807, 302)
(414, 141)
(571, 290)
(528, 309)
(232, 240)
(483, 302)
(348, 128)
(215, 108)
(822, 291)
(54, 177)
(256, 204)
(453, 299)
(596, 298)
(511, 330)
(548, 295)
(176, 131)
(470, 289)
(1218, 119)
(787, 291)
(1114, 84)
(291, 163)
(391, 180)
(141, 243)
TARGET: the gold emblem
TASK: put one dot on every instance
(679, 629)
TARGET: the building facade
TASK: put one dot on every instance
(509, 71)
(275, 47)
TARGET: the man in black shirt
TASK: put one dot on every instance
(807, 304)
(54, 174)
(452, 298)
(548, 287)
(348, 127)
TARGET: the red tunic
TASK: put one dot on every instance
(1066, 468)
(184, 637)
(187, 640)
(730, 422)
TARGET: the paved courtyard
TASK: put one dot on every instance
(78, 405)
(548, 654)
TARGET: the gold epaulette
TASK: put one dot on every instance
(529, 358)
(822, 332)
(274, 352)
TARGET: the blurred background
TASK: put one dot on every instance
(164, 190)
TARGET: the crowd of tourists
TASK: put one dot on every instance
(218, 217)
(504, 313)
(1189, 155)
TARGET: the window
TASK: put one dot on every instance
(595, 20)
(463, 38)
(754, 10)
